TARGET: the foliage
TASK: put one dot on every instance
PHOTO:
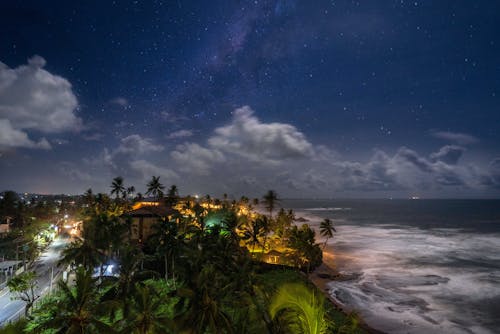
(14, 328)
(24, 286)
(270, 200)
(209, 281)
(117, 187)
(305, 251)
(72, 309)
(326, 230)
(155, 188)
(301, 308)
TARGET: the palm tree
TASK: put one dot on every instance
(202, 300)
(88, 197)
(82, 253)
(165, 239)
(146, 314)
(73, 309)
(172, 195)
(266, 226)
(130, 190)
(270, 200)
(326, 229)
(155, 188)
(253, 232)
(304, 248)
(302, 309)
(117, 187)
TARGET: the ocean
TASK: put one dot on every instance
(420, 266)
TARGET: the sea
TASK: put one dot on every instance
(416, 266)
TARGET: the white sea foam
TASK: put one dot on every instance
(328, 209)
(415, 280)
(418, 281)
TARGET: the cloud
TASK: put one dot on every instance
(180, 134)
(280, 156)
(119, 101)
(244, 139)
(406, 169)
(173, 118)
(193, 158)
(455, 137)
(73, 172)
(449, 154)
(248, 137)
(12, 138)
(33, 98)
(148, 169)
(136, 145)
(93, 136)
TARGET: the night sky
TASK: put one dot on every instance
(310, 98)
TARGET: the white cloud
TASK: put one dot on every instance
(31, 98)
(248, 137)
(148, 169)
(193, 158)
(135, 144)
(449, 154)
(119, 101)
(180, 134)
(172, 118)
(12, 138)
(245, 138)
(455, 137)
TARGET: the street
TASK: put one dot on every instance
(11, 310)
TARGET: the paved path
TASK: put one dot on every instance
(11, 310)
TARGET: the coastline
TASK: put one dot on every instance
(321, 277)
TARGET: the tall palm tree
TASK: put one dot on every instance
(301, 308)
(167, 244)
(172, 195)
(253, 232)
(88, 197)
(326, 230)
(130, 190)
(270, 201)
(117, 187)
(155, 188)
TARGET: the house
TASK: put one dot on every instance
(273, 257)
(144, 215)
(4, 228)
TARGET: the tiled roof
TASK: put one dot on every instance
(151, 211)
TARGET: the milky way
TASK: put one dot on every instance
(311, 98)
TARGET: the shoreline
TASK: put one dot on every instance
(325, 274)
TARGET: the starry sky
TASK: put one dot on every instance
(310, 98)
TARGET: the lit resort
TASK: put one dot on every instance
(168, 264)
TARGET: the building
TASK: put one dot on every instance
(4, 228)
(144, 216)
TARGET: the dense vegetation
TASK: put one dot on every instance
(201, 271)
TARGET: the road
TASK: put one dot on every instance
(11, 310)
